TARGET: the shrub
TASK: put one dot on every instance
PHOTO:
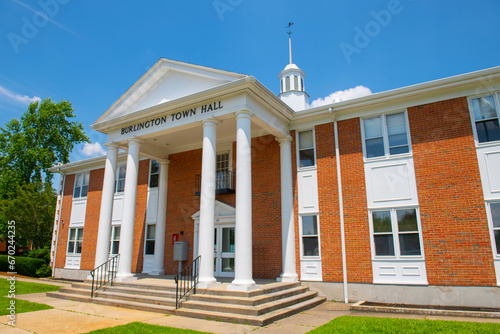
(23, 265)
(41, 253)
(44, 271)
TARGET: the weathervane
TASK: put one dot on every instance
(289, 32)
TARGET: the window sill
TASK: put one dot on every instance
(488, 144)
(305, 169)
(389, 158)
(400, 259)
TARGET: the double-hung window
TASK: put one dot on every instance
(306, 149)
(81, 185)
(396, 233)
(310, 235)
(154, 173)
(495, 223)
(485, 115)
(386, 135)
(75, 240)
(120, 179)
(115, 239)
(150, 239)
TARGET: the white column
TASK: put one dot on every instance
(289, 273)
(243, 280)
(207, 205)
(128, 220)
(106, 213)
(161, 220)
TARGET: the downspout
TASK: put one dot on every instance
(61, 192)
(341, 207)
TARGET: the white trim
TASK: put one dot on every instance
(496, 255)
(302, 256)
(297, 150)
(496, 98)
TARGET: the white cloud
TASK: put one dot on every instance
(93, 150)
(24, 99)
(342, 95)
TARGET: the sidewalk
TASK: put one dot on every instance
(77, 317)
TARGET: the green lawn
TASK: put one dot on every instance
(23, 306)
(138, 327)
(350, 324)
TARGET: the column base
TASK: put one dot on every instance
(288, 278)
(125, 278)
(207, 285)
(157, 272)
(243, 287)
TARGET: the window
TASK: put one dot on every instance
(310, 236)
(296, 82)
(281, 82)
(115, 240)
(301, 84)
(287, 84)
(75, 240)
(81, 185)
(150, 239)
(495, 223)
(386, 135)
(224, 178)
(306, 149)
(120, 179)
(486, 119)
(396, 233)
(154, 174)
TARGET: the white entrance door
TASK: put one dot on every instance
(224, 251)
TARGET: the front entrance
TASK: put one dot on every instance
(224, 251)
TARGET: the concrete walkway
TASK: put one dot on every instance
(77, 317)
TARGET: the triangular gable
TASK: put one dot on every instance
(167, 80)
(222, 210)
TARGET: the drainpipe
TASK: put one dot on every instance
(341, 206)
(61, 192)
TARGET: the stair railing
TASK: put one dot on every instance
(186, 280)
(104, 274)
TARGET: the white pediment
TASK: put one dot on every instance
(166, 81)
(222, 211)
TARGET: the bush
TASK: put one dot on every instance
(44, 271)
(41, 253)
(23, 266)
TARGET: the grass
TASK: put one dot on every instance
(23, 306)
(139, 327)
(350, 324)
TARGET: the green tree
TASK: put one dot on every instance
(44, 136)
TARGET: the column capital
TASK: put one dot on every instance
(135, 141)
(164, 162)
(110, 145)
(284, 140)
(243, 114)
(210, 121)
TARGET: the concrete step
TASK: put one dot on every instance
(270, 288)
(141, 292)
(248, 310)
(76, 291)
(250, 301)
(150, 300)
(261, 320)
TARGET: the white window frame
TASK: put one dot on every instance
(385, 136)
(146, 239)
(309, 257)
(113, 239)
(81, 185)
(395, 235)
(118, 179)
(496, 99)
(297, 149)
(496, 252)
(75, 241)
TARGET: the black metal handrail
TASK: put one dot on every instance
(224, 182)
(104, 274)
(186, 280)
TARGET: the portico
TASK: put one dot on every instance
(231, 109)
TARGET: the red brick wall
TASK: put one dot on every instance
(92, 219)
(331, 247)
(456, 238)
(65, 217)
(357, 231)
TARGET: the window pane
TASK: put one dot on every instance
(396, 120)
(121, 186)
(287, 83)
(121, 172)
(155, 167)
(399, 150)
(228, 264)
(80, 234)
(487, 131)
(384, 245)
(85, 191)
(153, 181)
(373, 127)
(310, 246)
(374, 147)
(495, 214)
(116, 247)
(484, 108)
(382, 221)
(409, 244)
(72, 233)
(78, 249)
(497, 240)
(296, 82)
(86, 178)
(150, 247)
(228, 239)
(306, 158)
(151, 232)
(306, 139)
(78, 180)
(76, 193)
(309, 225)
(407, 220)
(398, 140)
(71, 246)
(117, 233)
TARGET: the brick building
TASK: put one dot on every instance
(390, 197)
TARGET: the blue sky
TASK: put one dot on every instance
(90, 52)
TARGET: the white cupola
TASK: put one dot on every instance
(293, 91)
